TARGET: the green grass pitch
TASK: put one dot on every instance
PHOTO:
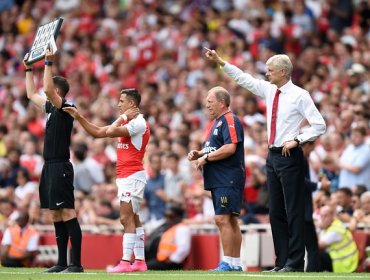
(36, 274)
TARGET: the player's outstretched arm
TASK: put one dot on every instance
(92, 129)
(32, 94)
(49, 89)
(213, 56)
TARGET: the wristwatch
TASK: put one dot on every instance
(206, 157)
(296, 139)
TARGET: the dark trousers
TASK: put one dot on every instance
(9, 262)
(285, 181)
(324, 261)
(154, 264)
(312, 247)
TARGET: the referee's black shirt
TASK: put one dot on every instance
(57, 133)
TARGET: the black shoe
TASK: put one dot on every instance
(73, 269)
(290, 269)
(275, 269)
(55, 269)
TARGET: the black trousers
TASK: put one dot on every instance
(9, 262)
(285, 181)
(312, 247)
(325, 262)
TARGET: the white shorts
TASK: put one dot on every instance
(131, 189)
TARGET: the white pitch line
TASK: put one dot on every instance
(275, 275)
(39, 272)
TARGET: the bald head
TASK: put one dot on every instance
(327, 215)
(217, 102)
(327, 210)
(221, 94)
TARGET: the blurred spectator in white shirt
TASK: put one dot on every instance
(355, 161)
(88, 172)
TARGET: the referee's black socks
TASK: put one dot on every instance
(61, 235)
(75, 234)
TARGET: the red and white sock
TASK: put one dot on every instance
(128, 246)
(139, 244)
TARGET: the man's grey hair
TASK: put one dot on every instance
(281, 61)
(221, 94)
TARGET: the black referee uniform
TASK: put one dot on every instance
(56, 185)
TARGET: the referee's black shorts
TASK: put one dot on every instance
(56, 185)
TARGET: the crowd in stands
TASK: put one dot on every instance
(157, 47)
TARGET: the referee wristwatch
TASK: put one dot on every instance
(298, 142)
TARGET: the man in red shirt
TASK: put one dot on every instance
(133, 134)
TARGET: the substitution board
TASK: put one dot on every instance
(45, 34)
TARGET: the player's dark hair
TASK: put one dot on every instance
(62, 84)
(132, 94)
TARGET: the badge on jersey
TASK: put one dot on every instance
(224, 201)
(219, 124)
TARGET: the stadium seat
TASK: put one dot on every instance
(47, 256)
(205, 252)
(362, 239)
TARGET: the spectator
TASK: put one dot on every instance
(104, 214)
(344, 204)
(344, 123)
(87, 171)
(320, 199)
(340, 14)
(202, 208)
(19, 245)
(31, 160)
(358, 189)
(174, 181)
(329, 169)
(7, 210)
(170, 243)
(317, 156)
(337, 146)
(338, 251)
(361, 215)
(9, 177)
(181, 149)
(155, 185)
(355, 161)
(356, 203)
(3, 132)
(25, 190)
